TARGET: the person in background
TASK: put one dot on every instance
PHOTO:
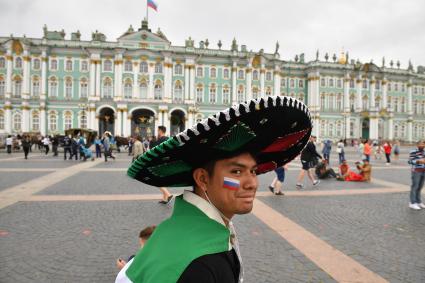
(340, 150)
(55, 144)
(309, 160)
(367, 150)
(327, 147)
(396, 149)
(365, 170)
(138, 147)
(323, 172)
(387, 150)
(277, 183)
(67, 143)
(75, 148)
(26, 145)
(9, 143)
(417, 162)
(131, 141)
(107, 146)
(46, 142)
(97, 144)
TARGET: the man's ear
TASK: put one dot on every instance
(201, 178)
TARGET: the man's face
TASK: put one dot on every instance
(240, 201)
(421, 145)
(160, 133)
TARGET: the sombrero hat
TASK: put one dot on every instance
(273, 129)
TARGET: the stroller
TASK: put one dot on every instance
(87, 153)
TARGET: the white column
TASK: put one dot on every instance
(25, 117)
(359, 95)
(390, 127)
(347, 94)
(372, 94)
(43, 123)
(192, 83)
(347, 125)
(43, 75)
(234, 90)
(409, 111)
(126, 123)
(248, 83)
(94, 121)
(166, 121)
(262, 78)
(190, 119)
(316, 93)
(118, 123)
(276, 87)
(9, 59)
(384, 94)
(168, 69)
(151, 82)
(186, 82)
(116, 67)
(92, 85)
(118, 82)
(8, 119)
(26, 73)
(136, 90)
(310, 92)
(97, 89)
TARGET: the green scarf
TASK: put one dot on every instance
(186, 235)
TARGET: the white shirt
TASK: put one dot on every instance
(9, 141)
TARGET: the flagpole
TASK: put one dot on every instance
(147, 11)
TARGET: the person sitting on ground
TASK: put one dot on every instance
(347, 175)
(365, 170)
(323, 172)
(144, 235)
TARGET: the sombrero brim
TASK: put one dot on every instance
(273, 129)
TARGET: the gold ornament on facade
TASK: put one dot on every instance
(27, 58)
(17, 47)
(256, 61)
(342, 58)
(9, 57)
(409, 85)
(372, 81)
(7, 107)
(92, 109)
(262, 71)
(144, 58)
(135, 63)
(118, 62)
(44, 59)
(358, 81)
(234, 69)
(384, 82)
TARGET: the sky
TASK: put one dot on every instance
(366, 29)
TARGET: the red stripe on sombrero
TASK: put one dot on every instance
(230, 188)
(265, 167)
(285, 142)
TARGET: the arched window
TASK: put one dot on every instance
(283, 82)
(331, 130)
(255, 92)
(338, 129)
(389, 86)
(396, 131)
(389, 102)
(268, 76)
(158, 90)
(301, 83)
(403, 105)
(128, 66)
(339, 83)
(143, 89)
(396, 108)
(36, 64)
(226, 95)
(331, 102)
(107, 88)
(213, 92)
(128, 88)
(255, 75)
(178, 69)
(351, 83)
(17, 87)
(213, 73)
(35, 121)
(403, 131)
(84, 66)
(364, 84)
(53, 87)
(2, 87)
(352, 102)
(1, 120)
(322, 82)
(35, 87)
(53, 64)
(143, 67)
(18, 63)
(17, 122)
(84, 88)
(241, 94)
(199, 93)
(378, 102)
(178, 92)
(331, 82)
(83, 120)
(291, 83)
(322, 102)
(395, 86)
(199, 72)
(107, 66)
(68, 88)
(365, 103)
(53, 121)
(158, 68)
(225, 73)
(423, 108)
(2, 63)
(68, 65)
(339, 102)
(322, 128)
(67, 120)
(241, 75)
(268, 91)
(415, 107)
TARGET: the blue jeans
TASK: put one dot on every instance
(341, 157)
(280, 172)
(418, 179)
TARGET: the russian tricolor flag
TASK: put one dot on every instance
(231, 184)
(153, 5)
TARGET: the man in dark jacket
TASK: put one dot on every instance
(26, 145)
(309, 159)
(67, 146)
(55, 144)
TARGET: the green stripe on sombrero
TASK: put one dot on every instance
(168, 169)
(237, 136)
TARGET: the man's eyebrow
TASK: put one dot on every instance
(237, 164)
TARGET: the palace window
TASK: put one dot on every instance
(213, 92)
(1, 120)
(158, 68)
(17, 87)
(240, 94)
(415, 107)
(2, 87)
(365, 103)
(17, 122)
(339, 83)
(158, 90)
(128, 66)
(339, 102)
(67, 120)
(403, 131)
(36, 64)
(143, 68)
(241, 75)
(389, 86)
(18, 63)
(331, 82)
(83, 120)
(403, 105)
(352, 103)
(84, 88)
(322, 127)
(143, 89)
(403, 87)
(322, 102)
(283, 82)
(292, 83)
(301, 97)
(107, 66)
(268, 76)
(396, 105)
(331, 130)
(178, 92)
(53, 64)
(351, 83)
(415, 90)
(378, 85)
(255, 92)
(35, 87)
(226, 95)
(423, 108)
(35, 121)
(107, 88)
(199, 72)
(268, 91)
(68, 65)
(255, 75)
(378, 102)
(53, 122)
(68, 88)
(213, 73)
(178, 69)
(199, 93)
(301, 83)
(128, 88)
(338, 129)
(331, 101)
(395, 86)
(2, 63)
(225, 73)
(322, 82)
(53, 87)
(364, 84)
(84, 66)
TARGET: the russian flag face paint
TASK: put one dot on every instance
(231, 184)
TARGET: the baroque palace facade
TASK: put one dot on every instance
(141, 81)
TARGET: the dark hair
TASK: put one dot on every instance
(162, 128)
(147, 232)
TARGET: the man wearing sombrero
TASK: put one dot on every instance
(220, 158)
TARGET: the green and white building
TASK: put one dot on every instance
(132, 85)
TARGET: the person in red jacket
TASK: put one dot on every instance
(387, 149)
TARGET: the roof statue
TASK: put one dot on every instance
(234, 45)
(189, 43)
(277, 48)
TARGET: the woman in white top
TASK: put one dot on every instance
(46, 142)
(340, 151)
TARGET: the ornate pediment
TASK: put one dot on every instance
(144, 38)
